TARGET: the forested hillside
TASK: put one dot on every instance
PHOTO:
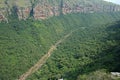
(94, 46)
(90, 53)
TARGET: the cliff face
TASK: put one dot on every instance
(42, 9)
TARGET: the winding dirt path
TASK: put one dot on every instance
(44, 58)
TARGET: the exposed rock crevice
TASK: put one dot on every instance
(42, 9)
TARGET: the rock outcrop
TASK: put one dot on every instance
(42, 9)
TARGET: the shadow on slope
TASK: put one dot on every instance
(108, 59)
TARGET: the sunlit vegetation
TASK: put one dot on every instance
(94, 46)
(89, 49)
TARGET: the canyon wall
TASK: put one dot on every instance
(42, 9)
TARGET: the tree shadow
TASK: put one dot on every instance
(109, 59)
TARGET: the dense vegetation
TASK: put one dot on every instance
(22, 43)
(92, 48)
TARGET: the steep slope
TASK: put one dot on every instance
(42, 9)
(90, 53)
(43, 60)
(23, 43)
